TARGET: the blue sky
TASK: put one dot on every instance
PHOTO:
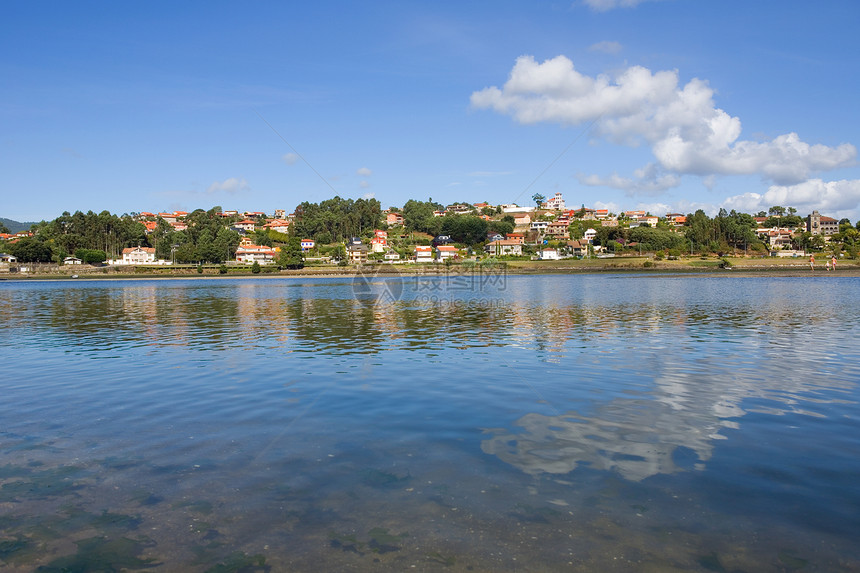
(667, 105)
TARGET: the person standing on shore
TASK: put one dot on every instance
(812, 262)
(833, 263)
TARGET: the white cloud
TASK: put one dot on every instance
(231, 186)
(604, 5)
(686, 132)
(659, 208)
(363, 184)
(833, 198)
(368, 196)
(650, 180)
(364, 172)
(290, 158)
(606, 47)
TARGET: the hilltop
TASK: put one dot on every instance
(15, 226)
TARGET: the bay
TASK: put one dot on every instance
(462, 421)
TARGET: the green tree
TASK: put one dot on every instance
(31, 250)
(290, 256)
(502, 227)
(465, 229)
(255, 268)
(538, 199)
(91, 256)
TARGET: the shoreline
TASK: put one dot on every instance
(516, 268)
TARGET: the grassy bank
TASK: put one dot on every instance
(734, 265)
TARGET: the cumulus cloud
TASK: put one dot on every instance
(290, 158)
(363, 184)
(364, 172)
(231, 185)
(606, 47)
(605, 5)
(686, 132)
(650, 180)
(833, 198)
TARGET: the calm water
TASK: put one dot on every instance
(581, 423)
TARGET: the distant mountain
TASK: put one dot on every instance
(15, 226)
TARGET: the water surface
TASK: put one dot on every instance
(453, 423)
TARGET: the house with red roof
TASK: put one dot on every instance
(250, 253)
(446, 252)
(138, 256)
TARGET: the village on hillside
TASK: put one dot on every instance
(346, 232)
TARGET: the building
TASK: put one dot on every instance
(72, 261)
(556, 203)
(378, 244)
(818, 224)
(394, 219)
(522, 219)
(446, 252)
(504, 247)
(392, 256)
(558, 229)
(278, 225)
(777, 239)
(138, 256)
(246, 225)
(357, 254)
(423, 254)
(249, 254)
(549, 255)
(578, 248)
(517, 237)
(307, 245)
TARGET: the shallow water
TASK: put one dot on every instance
(451, 423)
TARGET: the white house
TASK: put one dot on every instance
(556, 203)
(423, 254)
(378, 244)
(307, 245)
(249, 254)
(138, 256)
(589, 234)
(247, 225)
(392, 256)
(549, 255)
(445, 252)
(504, 247)
(72, 261)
